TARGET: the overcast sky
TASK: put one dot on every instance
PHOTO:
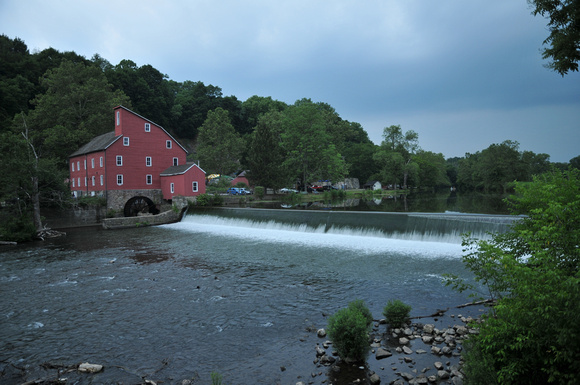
(462, 74)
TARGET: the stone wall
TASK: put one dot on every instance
(170, 216)
(116, 199)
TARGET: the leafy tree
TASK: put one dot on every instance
(395, 155)
(256, 106)
(219, 146)
(534, 273)
(265, 156)
(575, 162)
(309, 150)
(564, 38)
(193, 101)
(149, 90)
(432, 169)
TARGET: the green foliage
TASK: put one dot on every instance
(216, 378)
(348, 330)
(564, 38)
(396, 313)
(219, 145)
(209, 200)
(86, 201)
(534, 273)
(360, 306)
(16, 228)
(259, 192)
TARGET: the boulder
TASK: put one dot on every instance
(321, 333)
(382, 353)
(428, 328)
(375, 379)
(90, 368)
(407, 350)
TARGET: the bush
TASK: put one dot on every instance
(361, 306)
(348, 330)
(17, 229)
(259, 192)
(397, 313)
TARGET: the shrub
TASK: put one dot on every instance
(347, 328)
(361, 306)
(203, 200)
(259, 192)
(397, 313)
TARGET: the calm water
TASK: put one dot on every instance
(239, 292)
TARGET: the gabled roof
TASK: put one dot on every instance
(99, 143)
(152, 122)
(178, 170)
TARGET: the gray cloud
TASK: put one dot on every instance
(462, 74)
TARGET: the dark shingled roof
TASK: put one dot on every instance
(176, 170)
(99, 143)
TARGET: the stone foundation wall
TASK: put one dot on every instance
(116, 199)
(170, 216)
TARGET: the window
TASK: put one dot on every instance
(148, 161)
(78, 166)
(147, 127)
(92, 162)
(172, 188)
(119, 160)
(86, 182)
(85, 162)
(73, 180)
(101, 161)
(118, 117)
(168, 143)
(194, 186)
(149, 179)
(79, 182)
(175, 161)
(73, 166)
(120, 179)
(93, 180)
(101, 180)
(125, 141)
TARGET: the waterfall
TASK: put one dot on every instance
(430, 227)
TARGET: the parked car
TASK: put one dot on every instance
(243, 191)
(287, 190)
(233, 191)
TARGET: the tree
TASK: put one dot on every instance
(564, 38)
(432, 169)
(534, 273)
(219, 146)
(265, 156)
(395, 155)
(310, 154)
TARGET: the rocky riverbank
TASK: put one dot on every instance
(419, 353)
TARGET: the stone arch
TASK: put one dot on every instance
(139, 205)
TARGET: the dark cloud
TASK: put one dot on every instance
(462, 74)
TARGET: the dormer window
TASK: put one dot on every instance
(147, 127)
(125, 141)
(118, 118)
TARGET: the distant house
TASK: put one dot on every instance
(135, 167)
(240, 178)
(372, 185)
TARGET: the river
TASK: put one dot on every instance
(240, 292)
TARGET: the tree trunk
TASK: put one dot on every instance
(36, 204)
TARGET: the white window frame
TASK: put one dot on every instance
(85, 163)
(147, 127)
(118, 118)
(78, 166)
(119, 160)
(93, 180)
(92, 162)
(125, 141)
(168, 144)
(79, 182)
(194, 186)
(101, 180)
(148, 161)
(149, 179)
(73, 166)
(101, 161)
(86, 182)
(119, 179)
(73, 182)
(176, 161)
(172, 186)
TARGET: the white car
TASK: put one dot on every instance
(287, 190)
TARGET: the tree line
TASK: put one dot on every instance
(53, 102)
